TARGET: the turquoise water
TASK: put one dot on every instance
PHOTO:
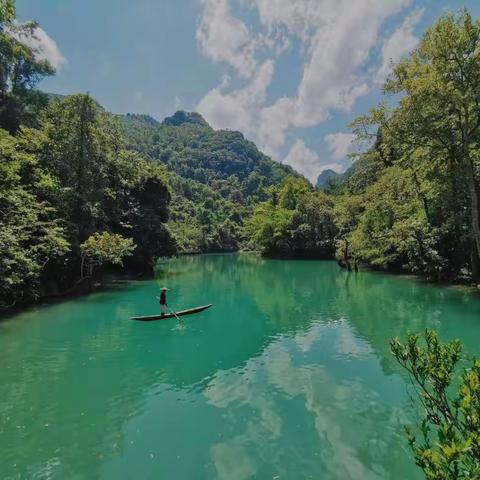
(288, 376)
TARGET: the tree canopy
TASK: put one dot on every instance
(20, 71)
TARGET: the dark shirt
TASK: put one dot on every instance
(163, 298)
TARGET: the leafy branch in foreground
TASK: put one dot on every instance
(446, 443)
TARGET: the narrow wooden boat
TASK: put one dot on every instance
(180, 313)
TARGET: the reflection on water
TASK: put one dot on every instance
(288, 376)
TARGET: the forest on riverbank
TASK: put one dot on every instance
(411, 200)
(81, 188)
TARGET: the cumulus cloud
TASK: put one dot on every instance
(336, 38)
(340, 144)
(274, 121)
(42, 45)
(224, 38)
(341, 45)
(304, 160)
(236, 109)
(298, 17)
(402, 42)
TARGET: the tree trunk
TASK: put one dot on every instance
(346, 256)
(82, 264)
(474, 200)
(475, 263)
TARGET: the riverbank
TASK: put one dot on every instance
(104, 282)
(113, 277)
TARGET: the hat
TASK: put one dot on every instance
(164, 289)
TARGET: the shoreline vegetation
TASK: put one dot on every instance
(83, 190)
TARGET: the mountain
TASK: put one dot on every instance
(181, 118)
(216, 176)
(326, 177)
(141, 120)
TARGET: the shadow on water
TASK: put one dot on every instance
(289, 372)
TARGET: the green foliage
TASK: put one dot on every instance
(347, 212)
(182, 118)
(419, 182)
(104, 247)
(7, 11)
(31, 235)
(197, 215)
(20, 71)
(63, 183)
(296, 220)
(214, 176)
(446, 442)
(393, 227)
(128, 196)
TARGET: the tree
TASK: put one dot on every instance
(213, 176)
(393, 228)
(296, 220)
(439, 108)
(101, 248)
(446, 443)
(102, 185)
(20, 71)
(31, 235)
(81, 142)
(347, 211)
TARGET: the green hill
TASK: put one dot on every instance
(216, 176)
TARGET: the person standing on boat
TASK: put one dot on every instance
(163, 300)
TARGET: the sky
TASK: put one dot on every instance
(291, 75)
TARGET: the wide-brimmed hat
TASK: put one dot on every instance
(164, 289)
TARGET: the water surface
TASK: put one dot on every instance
(288, 376)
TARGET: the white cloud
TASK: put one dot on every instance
(336, 39)
(236, 109)
(402, 42)
(274, 121)
(304, 160)
(299, 17)
(340, 144)
(341, 45)
(224, 38)
(43, 46)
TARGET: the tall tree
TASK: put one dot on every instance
(82, 141)
(31, 235)
(20, 71)
(439, 109)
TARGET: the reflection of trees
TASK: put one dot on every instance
(381, 306)
(275, 297)
(86, 360)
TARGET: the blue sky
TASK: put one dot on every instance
(290, 74)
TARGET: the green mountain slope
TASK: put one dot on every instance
(216, 176)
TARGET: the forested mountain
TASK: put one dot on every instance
(326, 177)
(216, 177)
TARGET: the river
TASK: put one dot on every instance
(288, 376)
